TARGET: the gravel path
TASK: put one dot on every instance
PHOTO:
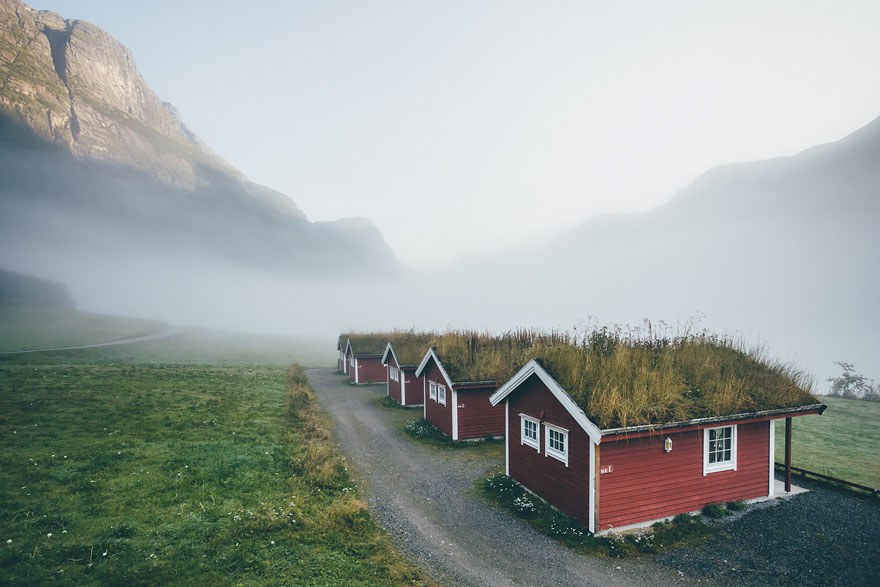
(424, 497)
(825, 537)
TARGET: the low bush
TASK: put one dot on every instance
(507, 494)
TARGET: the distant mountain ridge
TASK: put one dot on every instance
(83, 136)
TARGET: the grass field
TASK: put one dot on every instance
(35, 327)
(29, 327)
(844, 442)
(187, 474)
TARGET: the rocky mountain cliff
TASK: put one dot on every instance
(86, 147)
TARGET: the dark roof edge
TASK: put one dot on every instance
(715, 419)
(476, 383)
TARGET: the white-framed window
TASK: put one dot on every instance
(556, 442)
(529, 431)
(395, 374)
(441, 394)
(351, 360)
(432, 390)
(719, 449)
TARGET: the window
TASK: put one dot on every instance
(433, 390)
(441, 394)
(529, 432)
(719, 449)
(395, 374)
(351, 361)
(556, 443)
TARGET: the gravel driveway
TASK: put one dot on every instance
(423, 496)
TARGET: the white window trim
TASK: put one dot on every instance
(726, 465)
(441, 400)
(395, 374)
(523, 439)
(551, 452)
(432, 386)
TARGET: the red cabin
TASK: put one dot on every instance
(341, 365)
(618, 478)
(363, 353)
(401, 361)
(461, 408)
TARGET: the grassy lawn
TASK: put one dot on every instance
(844, 442)
(35, 327)
(187, 474)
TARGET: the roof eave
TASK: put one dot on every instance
(778, 412)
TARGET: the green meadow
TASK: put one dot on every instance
(118, 468)
(844, 442)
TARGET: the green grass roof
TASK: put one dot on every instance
(626, 381)
(372, 343)
(622, 380)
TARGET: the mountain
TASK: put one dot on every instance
(783, 250)
(95, 168)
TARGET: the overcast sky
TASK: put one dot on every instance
(467, 127)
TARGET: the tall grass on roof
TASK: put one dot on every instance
(410, 343)
(629, 378)
(474, 356)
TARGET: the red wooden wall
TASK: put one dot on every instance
(393, 386)
(477, 418)
(564, 487)
(414, 387)
(647, 483)
(436, 413)
(370, 370)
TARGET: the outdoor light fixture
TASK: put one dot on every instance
(667, 445)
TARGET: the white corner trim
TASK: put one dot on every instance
(592, 487)
(401, 377)
(507, 438)
(428, 355)
(772, 483)
(356, 370)
(454, 412)
(425, 398)
(725, 466)
(535, 368)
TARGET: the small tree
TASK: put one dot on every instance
(853, 385)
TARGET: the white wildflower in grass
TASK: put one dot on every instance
(271, 542)
(105, 553)
(49, 535)
(9, 541)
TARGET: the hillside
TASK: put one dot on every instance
(782, 250)
(90, 155)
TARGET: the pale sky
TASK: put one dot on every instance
(469, 127)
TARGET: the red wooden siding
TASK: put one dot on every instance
(647, 483)
(414, 387)
(370, 370)
(477, 418)
(393, 386)
(564, 487)
(435, 412)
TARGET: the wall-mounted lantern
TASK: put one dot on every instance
(667, 445)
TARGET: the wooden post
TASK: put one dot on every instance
(788, 455)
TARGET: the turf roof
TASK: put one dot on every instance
(622, 380)
(409, 346)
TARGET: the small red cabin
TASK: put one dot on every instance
(401, 363)
(341, 364)
(364, 357)
(460, 409)
(618, 478)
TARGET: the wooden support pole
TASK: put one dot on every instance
(788, 455)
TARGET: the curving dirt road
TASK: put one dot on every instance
(155, 336)
(423, 496)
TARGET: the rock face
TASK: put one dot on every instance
(76, 85)
(82, 136)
